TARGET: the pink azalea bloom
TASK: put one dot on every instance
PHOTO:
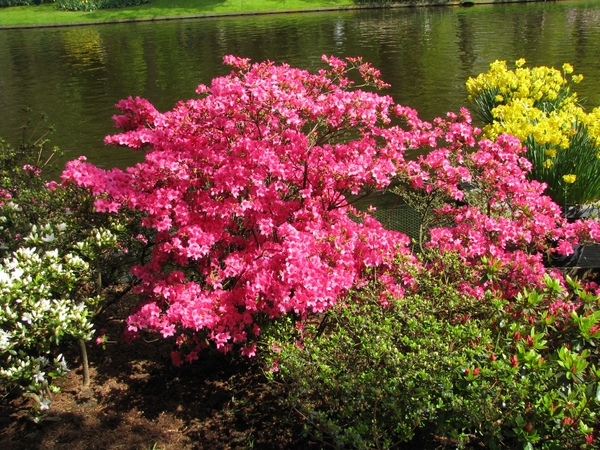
(247, 189)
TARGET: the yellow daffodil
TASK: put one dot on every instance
(567, 68)
(537, 106)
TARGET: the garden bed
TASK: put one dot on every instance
(139, 401)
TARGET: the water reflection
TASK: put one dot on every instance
(84, 48)
(76, 75)
(339, 35)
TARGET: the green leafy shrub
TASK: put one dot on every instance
(93, 5)
(57, 259)
(5, 3)
(391, 1)
(29, 203)
(509, 375)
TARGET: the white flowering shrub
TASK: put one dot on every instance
(59, 259)
(42, 304)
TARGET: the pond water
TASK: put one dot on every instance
(76, 74)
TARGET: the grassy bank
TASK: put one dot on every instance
(48, 15)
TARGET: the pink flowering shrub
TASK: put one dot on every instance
(499, 222)
(246, 188)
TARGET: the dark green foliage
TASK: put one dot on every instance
(485, 103)
(27, 204)
(93, 5)
(362, 2)
(24, 200)
(4, 3)
(475, 371)
(59, 259)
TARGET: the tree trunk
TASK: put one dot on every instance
(84, 364)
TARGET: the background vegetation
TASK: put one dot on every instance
(48, 14)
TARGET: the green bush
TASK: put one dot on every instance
(506, 375)
(396, 1)
(4, 3)
(57, 258)
(29, 203)
(385, 1)
(93, 5)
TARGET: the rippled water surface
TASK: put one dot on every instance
(76, 74)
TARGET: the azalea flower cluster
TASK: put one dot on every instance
(247, 188)
(501, 224)
(538, 106)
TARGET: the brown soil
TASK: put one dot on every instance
(139, 401)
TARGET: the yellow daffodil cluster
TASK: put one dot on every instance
(522, 118)
(533, 102)
(538, 83)
(592, 122)
(537, 106)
